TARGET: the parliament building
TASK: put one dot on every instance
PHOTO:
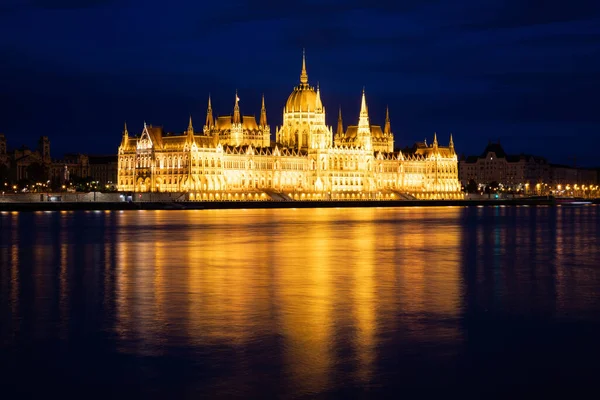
(235, 158)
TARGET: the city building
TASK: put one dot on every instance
(524, 173)
(103, 169)
(565, 175)
(512, 171)
(72, 167)
(233, 157)
(25, 164)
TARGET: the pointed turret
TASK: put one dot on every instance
(125, 135)
(435, 142)
(318, 103)
(387, 129)
(364, 128)
(263, 113)
(190, 126)
(340, 127)
(364, 113)
(303, 73)
(236, 110)
(209, 115)
(451, 143)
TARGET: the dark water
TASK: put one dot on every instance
(347, 303)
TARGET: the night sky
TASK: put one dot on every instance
(526, 73)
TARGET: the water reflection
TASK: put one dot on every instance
(303, 300)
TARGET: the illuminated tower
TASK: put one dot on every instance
(364, 128)
(237, 132)
(263, 126)
(210, 121)
(303, 116)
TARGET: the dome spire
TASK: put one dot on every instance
(303, 74)
(236, 110)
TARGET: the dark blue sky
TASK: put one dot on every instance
(524, 72)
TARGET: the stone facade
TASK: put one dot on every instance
(25, 164)
(512, 171)
(104, 170)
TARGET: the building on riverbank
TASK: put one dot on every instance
(522, 172)
(234, 156)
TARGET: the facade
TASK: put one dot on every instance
(72, 166)
(103, 169)
(566, 175)
(512, 171)
(25, 166)
(233, 157)
(530, 174)
(24, 163)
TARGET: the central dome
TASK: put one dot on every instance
(303, 98)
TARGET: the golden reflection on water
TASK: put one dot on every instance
(312, 276)
(323, 287)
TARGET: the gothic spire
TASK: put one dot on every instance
(340, 127)
(209, 115)
(387, 129)
(190, 128)
(364, 114)
(125, 135)
(318, 103)
(435, 142)
(451, 144)
(236, 110)
(263, 113)
(303, 74)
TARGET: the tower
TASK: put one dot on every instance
(2, 146)
(387, 132)
(304, 116)
(236, 126)
(364, 128)
(387, 129)
(266, 130)
(125, 137)
(44, 149)
(263, 113)
(340, 126)
(190, 131)
(210, 122)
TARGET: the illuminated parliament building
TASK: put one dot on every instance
(234, 157)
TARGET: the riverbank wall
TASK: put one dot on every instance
(215, 205)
